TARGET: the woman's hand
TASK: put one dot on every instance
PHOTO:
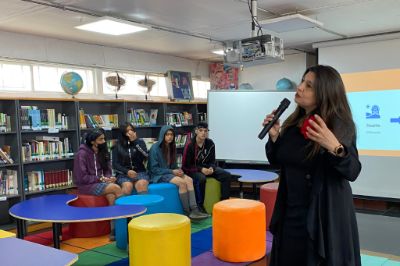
(131, 135)
(205, 171)
(274, 131)
(113, 179)
(322, 135)
(178, 172)
(132, 174)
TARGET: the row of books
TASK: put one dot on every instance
(141, 118)
(95, 121)
(202, 116)
(9, 182)
(46, 148)
(39, 179)
(182, 139)
(179, 160)
(34, 119)
(179, 119)
(5, 157)
(5, 123)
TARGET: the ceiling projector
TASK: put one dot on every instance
(254, 51)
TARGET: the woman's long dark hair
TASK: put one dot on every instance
(332, 103)
(104, 155)
(172, 148)
(122, 143)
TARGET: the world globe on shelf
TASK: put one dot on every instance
(71, 83)
(245, 86)
(284, 84)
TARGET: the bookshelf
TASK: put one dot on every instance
(16, 136)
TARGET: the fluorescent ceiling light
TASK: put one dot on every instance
(289, 23)
(218, 51)
(113, 26)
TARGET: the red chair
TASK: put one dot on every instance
(89, 229)
(268, 196)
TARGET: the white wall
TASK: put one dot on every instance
(35, 48)
(265, 77)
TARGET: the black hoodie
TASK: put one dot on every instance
(190, 153)
(138, 152)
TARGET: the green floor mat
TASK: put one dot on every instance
(90, 258)
(112, 249)
(194, 229)
(203, 224)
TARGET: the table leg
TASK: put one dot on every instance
(241, 190)
(255, 191)
(56, 235)
(20, 228)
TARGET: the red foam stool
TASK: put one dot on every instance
(89, 229)
(268, 196)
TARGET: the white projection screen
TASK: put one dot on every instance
(371, 74)
(235, 119)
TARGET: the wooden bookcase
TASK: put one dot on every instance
(71, 107)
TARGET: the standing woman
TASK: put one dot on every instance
(314, 221)
(127, 160)
(163, 169)
(92, 171)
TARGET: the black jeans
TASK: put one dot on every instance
(220, 175)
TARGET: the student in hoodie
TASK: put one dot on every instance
(92, 171)
(127, 157)
(199, 162)
(163, 169)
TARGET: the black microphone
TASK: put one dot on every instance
(282, 108)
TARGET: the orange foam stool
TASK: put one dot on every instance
(239, 230)
(89, 229)
(268, 196)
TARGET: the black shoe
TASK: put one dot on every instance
(201, 209)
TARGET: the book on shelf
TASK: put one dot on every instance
(179, 119)
(9, 182)
(179, 160)
(149, 142)
(96, 121)
(202, 116)
(182, 139)
(5, 156)
(5, 123)
(40, 180)
(110, 143)
(41, 149)
(33, 118)
(141, 118)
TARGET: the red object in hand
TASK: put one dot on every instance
(307, 124)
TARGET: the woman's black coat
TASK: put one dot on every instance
(332, 226)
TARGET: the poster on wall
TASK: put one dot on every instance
(179, 86)
(223, 77)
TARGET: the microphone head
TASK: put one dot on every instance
(285, 102)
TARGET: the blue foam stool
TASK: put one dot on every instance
(153, 203)
(172, 203)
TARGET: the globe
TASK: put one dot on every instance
(71, 83)
(245, 86)
(284, 84)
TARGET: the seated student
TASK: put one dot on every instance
(199, 162)
(163, 169)
(92, 170)
(127, 157)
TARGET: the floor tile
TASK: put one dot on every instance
(89, 243)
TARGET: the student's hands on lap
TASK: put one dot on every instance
(113, 179)
(211, 170)
(178, 172)
(205, 171)
(132, 174)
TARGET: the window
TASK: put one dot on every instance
(14, 77)
(132, 87)
(47, 78)
(200, 88)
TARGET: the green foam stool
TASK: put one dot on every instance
(213, 193)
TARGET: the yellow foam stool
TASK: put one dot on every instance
(4, 234)
(160, 239)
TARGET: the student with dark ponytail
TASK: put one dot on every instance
(127, 159)
(92, 170)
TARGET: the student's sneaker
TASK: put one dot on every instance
(196, 215)
(201, 208)
(112, 235)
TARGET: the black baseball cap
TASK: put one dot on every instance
(202, 124)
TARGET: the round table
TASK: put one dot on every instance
(252, 176)
(55, 209)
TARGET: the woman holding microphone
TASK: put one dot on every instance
(314, 221)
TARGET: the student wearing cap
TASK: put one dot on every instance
(199, 162)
